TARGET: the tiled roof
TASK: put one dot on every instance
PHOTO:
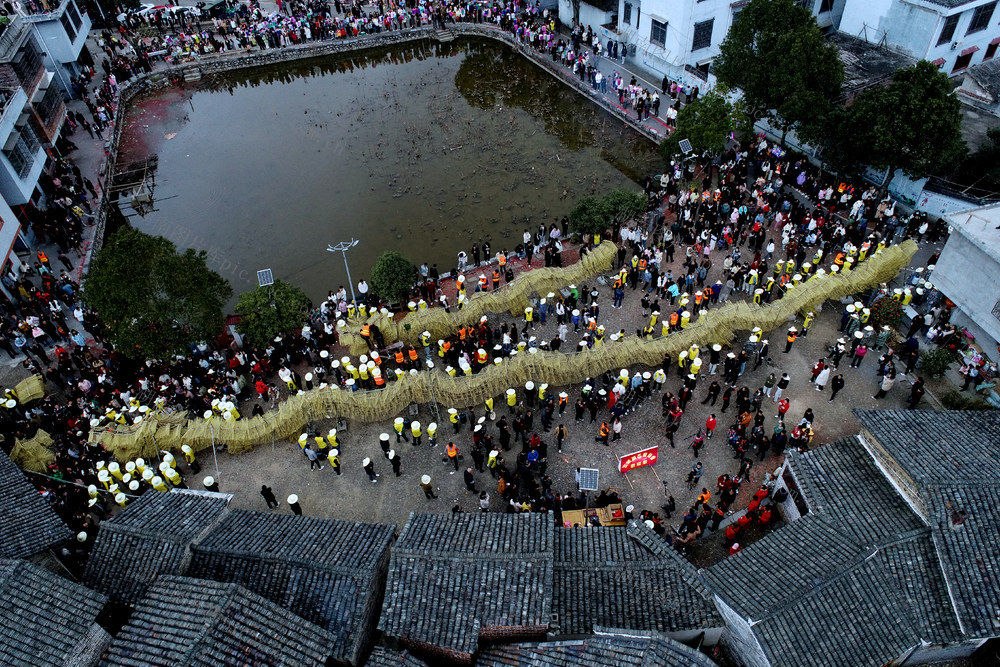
(454, 576)
(787, 564)
(383, 657)
(604, 651)
(914, 572)
(965, 521)
(954, 458)
(940, 446)
(152, 536)
(44, 619)
(186, 621)
(328, 572)
(841, 481)
(28, 524)
(848, 621)
(629, 574)
(854, 582)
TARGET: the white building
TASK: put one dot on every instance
(974, 242)
(680, 38)
(61, 34)
(953, 34)
(595, 13)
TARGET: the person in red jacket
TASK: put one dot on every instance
(710, 425)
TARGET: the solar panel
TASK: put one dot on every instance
(589, 479)
(265, 278)
(685, 146)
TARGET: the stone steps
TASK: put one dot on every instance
(444, 36)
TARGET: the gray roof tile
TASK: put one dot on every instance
(964, 520)
(939, 446)
(328, 572)
(383, 657)
(28, 524)
(604, 651)
(453, 577)
(43, 617)
(197, 622)
(628, 573)
(841, 481)
(152, 536)
(854, 582)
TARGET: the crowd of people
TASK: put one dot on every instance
(745, 239)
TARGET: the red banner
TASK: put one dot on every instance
(643, 457)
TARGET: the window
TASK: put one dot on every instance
(826, 6)
(948, 30)
(22, 153)
(49, 104)
(702, 35)
(628, 14)
(991, 51)
(658, 33)
(962, 62)
(981, 18)
(27, 63)
(68, 25)
(74, 16)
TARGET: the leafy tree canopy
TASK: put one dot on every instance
(270, 311)
(706, 123)
(624, 205)
(591, 215)
(392, 276)
(750, 55)
(806, 78)
(913, 124)
(154, 300)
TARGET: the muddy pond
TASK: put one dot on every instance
(425, 149)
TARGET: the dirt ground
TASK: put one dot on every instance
(390, 500)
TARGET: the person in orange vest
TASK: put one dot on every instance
(496, 279)
(502, 259)
(412, 352)
(604, 432)
(399, 357)
(793, 333)
(481, 285)
(366, 333)
(452, 451)
(462, 333)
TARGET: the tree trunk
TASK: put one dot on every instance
(884, 188)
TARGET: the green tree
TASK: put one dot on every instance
(982, 168)
(270, 311)
(913, 124)
(154, 300)
(805, 79)
(392, 276)
(750, 55)
(706, 123)
(624, 205)
(590, 216)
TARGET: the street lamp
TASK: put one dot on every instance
(343, 247)
(208, 417)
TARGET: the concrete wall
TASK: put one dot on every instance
(9, 228)
(13, 189)
(589, 15)
(676, 52)
(61, 53)
(914, 26)
(976, 292)
(739, 641)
